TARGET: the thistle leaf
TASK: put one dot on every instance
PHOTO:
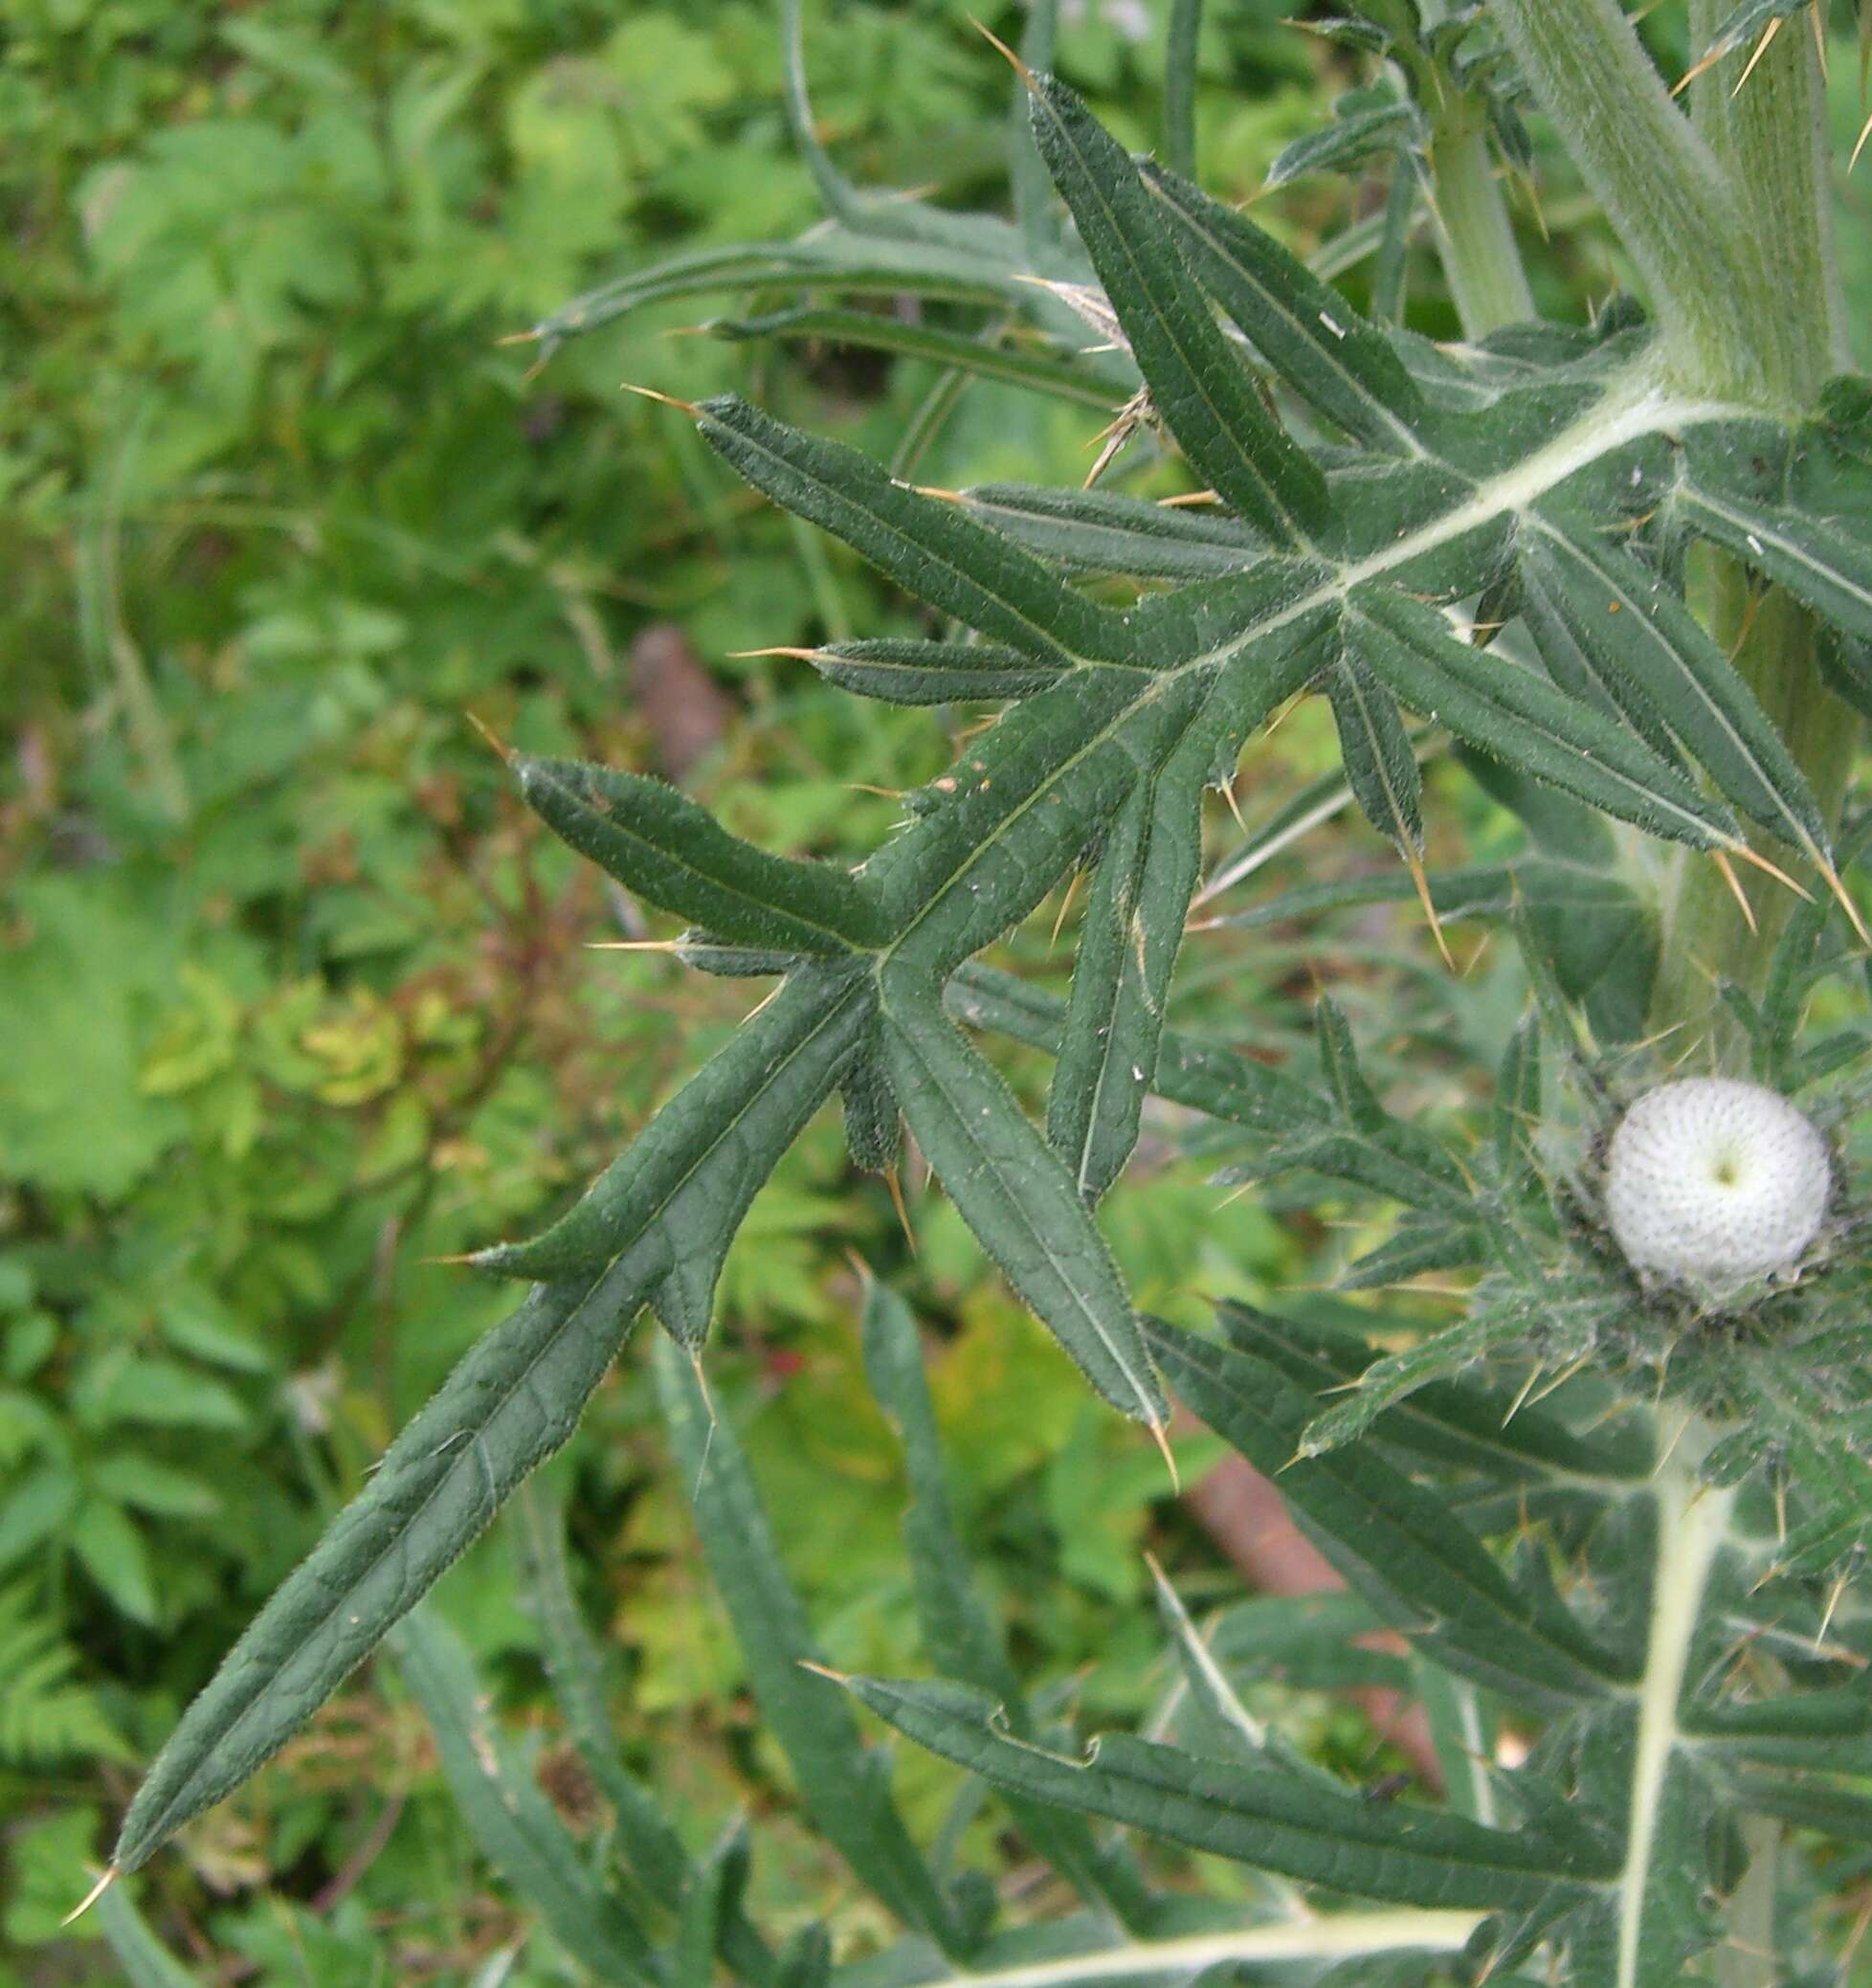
(933, 549)
(1341, 366)
(871, 1113)
(1206, 1077)
(1447, 1422)
(1043, 372)
(1521, 719)
(1358, 128)
(1639, 634)
(901, 672)
(1097, 531)
(645, 1844)
(1020, 806)
(1120, 979)
(1381, 763)
(1392, 1541)
(1268, 1821)
(661, 844)
(1788, 501)
(960, 1637)
(1013, 1192)
(1198, 384)
(676, 1195)
(509, 1403)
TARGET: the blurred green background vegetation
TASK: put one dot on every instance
(295, 998)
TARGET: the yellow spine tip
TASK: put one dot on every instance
(491, 737)
(994, 41)
(105, 1880)
(1159, 1435)
(687, 407)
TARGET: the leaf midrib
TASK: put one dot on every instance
(1632, 407)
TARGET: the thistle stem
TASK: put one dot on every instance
(1770, 139)
(1770, 136)
(1474, 234)
(1661, 186)
(1692, 1526)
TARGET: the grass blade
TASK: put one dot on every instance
(843, 1784)
(508, 1817)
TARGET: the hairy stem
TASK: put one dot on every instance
(1770, 137)
(1692, 1525)
(1661, 186)
(1473, 231)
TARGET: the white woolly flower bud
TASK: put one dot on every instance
(1713, 1182)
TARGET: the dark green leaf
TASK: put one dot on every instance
(1180, 70)
(1198, 384)
(576, 1668)
(679, 1190)
(1351, 136)
(1013, 1191)
(1827, 1730)
(1460, 1423)
(1381, 763)
(1305, 331)
(708, 1906)
(871, 1113)
(1391, 1540)
(1788, 504)
(1842, 1813)
(904, 672)
(961, 1638)
(1517, 1099)
(661, 844)
(1098, 532)
(1574, 668)
(1204, 1077)
(879, 332)
(1132, 932)
(1518, 717)
(931, 548)
(1640, 635)
(1016, 810)
(1268, 1821)
(510, 1403)
(835, 257)
(650, 1849)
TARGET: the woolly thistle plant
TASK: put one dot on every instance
(1616, 1503)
